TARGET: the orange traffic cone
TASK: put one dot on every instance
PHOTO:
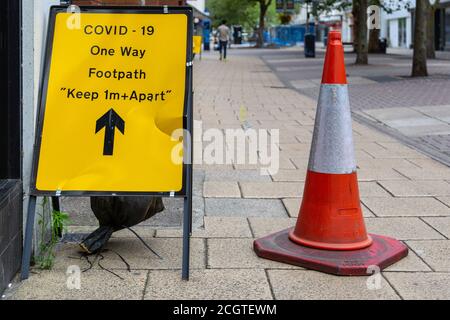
(330, 234)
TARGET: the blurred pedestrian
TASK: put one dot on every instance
(223, 33)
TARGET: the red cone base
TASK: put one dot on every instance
(383, 252)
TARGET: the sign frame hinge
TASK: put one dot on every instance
(58, 193)
(166, 9)
(172, 194)
(189, 63)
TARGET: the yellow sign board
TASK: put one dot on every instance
(197, 48)
(116, 87)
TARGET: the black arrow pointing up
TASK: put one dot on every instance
(109, 121)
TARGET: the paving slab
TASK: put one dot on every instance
(134, 253)
(421, 285)
(94, 285)
(429, 164)
(386, 114)
(221, 189)
(435, 253)
(292, 206)
(425, 173)
(379, 164)
(268, 190)
(215, 227)
(417, 188)
(441, 224)
(236, 175)
(239, 254)
(411, 263)
(264, 226)
(234, 207)
(439, 112)
(290, 175)
(388, 150)
(402, 228)
(307, 284)
(212, 284)
(377, 174)
(372, 189)
(431, 128)
(444, 200)
(404, 207)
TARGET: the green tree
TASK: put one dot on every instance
(234, 11)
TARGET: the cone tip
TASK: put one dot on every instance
(334, 66)
(334, 35)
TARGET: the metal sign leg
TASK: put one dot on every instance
(26, 255)
(187, 224)
(186, 239)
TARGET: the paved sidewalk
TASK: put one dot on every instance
(404, 194)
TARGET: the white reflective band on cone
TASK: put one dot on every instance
(332, 144)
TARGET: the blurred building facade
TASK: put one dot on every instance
(397, 27)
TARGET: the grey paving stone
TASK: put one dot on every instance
(221, 189)
(238, 254)
(406, 207)
(386, 114)
(429, 164)
(411, 263)
(212, 284)
(435, 253)
(445, 200)
(421, 285)
(417, 130)
(264, 226)
(417, 188)
(401, 228)
(236, 175)
(215, 227)
(418, 122)
(244, 207)
(271, 189)
(439, 112)
(372, 189)
(292, 206)
(441, 224)
(425, 173)
(380, 164)
(287, 175)
(376, 174)
(306, 284)
(94, 285)
(198, 212)
(390, 150)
